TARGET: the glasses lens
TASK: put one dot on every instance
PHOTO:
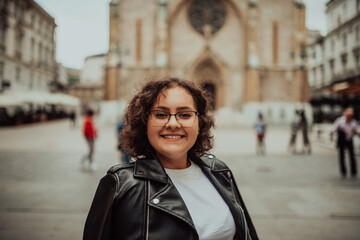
(160, 118)
(186, 119)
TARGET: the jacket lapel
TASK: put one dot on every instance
(169, 200)
(165, 196)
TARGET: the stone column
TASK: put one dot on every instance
(113, 61)
(252, 81)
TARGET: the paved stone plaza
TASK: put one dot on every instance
(45, 194)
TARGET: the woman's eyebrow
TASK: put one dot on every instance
(178, 108)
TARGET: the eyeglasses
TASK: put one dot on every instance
(160, 118)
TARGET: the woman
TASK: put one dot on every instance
(172, 191)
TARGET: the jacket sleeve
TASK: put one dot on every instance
(98, 222)
(251, 227)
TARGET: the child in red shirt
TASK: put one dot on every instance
(89, 131)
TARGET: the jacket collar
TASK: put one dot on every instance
(151, 168)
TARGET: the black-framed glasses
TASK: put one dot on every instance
(184, 118)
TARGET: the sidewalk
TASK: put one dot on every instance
(46, 195)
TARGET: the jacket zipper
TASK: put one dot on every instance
(147, 212)
(238, 201)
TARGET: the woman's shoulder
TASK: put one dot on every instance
(121, 167)
(214, 163)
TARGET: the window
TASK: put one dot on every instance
(332, 66)
(32, 50)
(357, 60)
(207, 13)
(40, 54)
(31, 84)
(32, 20)
(275, 43)
(322, 72)
(17, 74)
(338, 20)
(18, 44)
(357, 33)
(357, 5)
(138, 40)
(332, 45)
(2, 37)
(344, 60)
(1, 71)
(314, 76)
(40, 26)
(344, 39)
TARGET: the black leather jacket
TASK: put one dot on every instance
(138, 201)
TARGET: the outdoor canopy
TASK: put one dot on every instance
(18, 98)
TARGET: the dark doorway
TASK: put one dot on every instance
(211, 90)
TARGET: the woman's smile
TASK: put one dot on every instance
(172, 136)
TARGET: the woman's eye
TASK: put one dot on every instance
(161, 115)
(184, 115)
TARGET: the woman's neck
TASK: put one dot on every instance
(174, 163)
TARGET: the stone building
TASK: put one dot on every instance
(246, 53)
(28, 70)
(90, 88)
(27, 45)
(334, 61)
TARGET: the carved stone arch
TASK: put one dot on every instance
(207, 72)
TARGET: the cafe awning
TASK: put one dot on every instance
(19, 98)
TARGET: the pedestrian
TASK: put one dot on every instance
(305, 133)
(123, 154)
(173, 190)
(294, 128)
(72, 117)
(346, 128)
(90, 133)
(260, 128)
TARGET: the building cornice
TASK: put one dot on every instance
(40, 10)
(344, 25)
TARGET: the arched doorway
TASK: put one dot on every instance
(208, 75)
(210, 88)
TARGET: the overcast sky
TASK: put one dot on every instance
(83, 26)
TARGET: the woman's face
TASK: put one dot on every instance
(173, 141)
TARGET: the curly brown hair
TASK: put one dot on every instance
(134, 139)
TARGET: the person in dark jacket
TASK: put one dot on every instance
(346, 128)
(174, 189)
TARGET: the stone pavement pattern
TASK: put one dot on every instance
(46, 195)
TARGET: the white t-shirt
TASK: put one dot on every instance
(349, 128)
(210, 214)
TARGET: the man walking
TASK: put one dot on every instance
(346, 128)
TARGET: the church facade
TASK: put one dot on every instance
(248, 54)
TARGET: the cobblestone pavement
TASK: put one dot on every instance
(46, 195)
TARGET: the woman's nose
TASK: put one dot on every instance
(173, 122)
